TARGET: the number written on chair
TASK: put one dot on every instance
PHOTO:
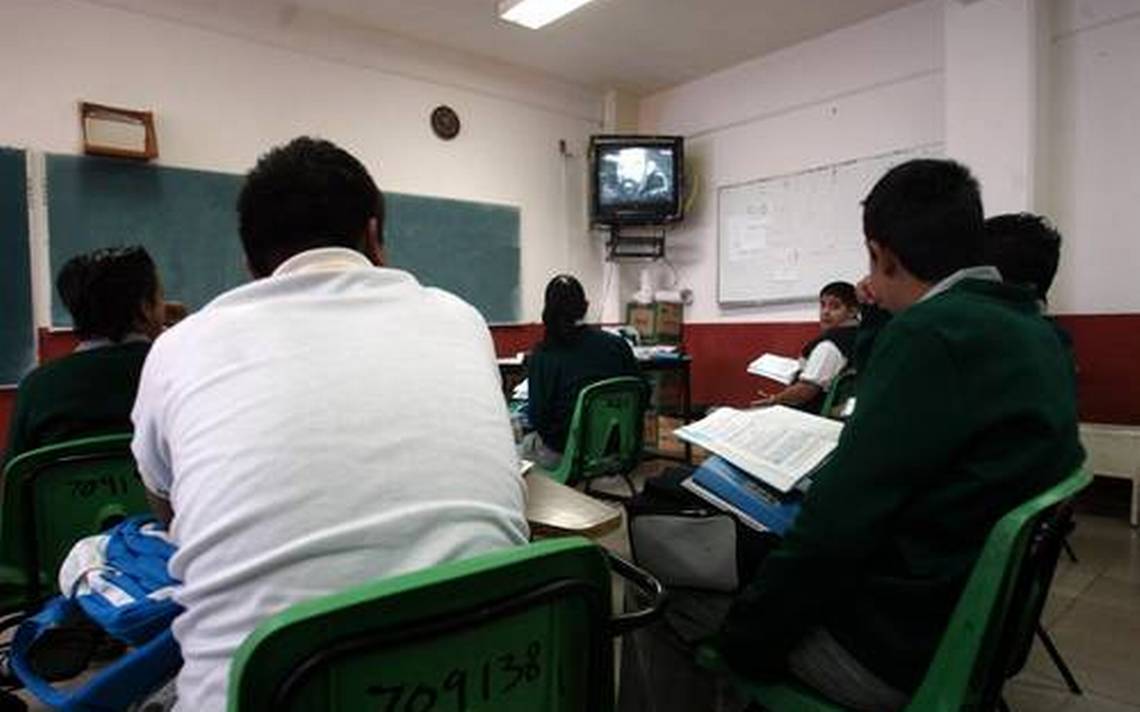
(498, 676)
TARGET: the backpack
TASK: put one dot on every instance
(116, 585)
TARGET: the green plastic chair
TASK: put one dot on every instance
(986, 632)
(523, 629)
(52, 497)
(842, 389)
(606, 432)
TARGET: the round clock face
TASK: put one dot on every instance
(445, 122)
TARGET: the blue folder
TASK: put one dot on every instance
(726, 482)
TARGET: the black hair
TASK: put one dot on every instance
(308, 193)
(107, 290)
(843, 291)
(564, 307)
(929, 214)
(1025, 248)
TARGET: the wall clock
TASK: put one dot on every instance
(445, 122)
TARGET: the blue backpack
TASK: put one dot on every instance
(121, 587)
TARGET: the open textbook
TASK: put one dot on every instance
(778, 368)
(776, 445)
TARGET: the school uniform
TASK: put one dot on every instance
(557, 373)
(87, 392)
(825, 358)
(966, 409)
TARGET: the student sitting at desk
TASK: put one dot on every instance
(570, 357)
(965, 412)
(331, 422)
(1026, 249)
(116, 306)
(826, 356)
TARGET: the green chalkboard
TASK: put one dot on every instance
(187, 220)
(469, 249)
(184, 218)
(17, 327)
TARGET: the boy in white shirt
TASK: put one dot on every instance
(826, 356)
(330, 423)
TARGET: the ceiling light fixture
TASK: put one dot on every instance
(536, 13)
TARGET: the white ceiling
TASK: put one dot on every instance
(637, 45)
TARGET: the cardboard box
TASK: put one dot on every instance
(656, 323)
(649, 431)
(667, 442)
(668, 322)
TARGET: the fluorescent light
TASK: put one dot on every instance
(536, 13)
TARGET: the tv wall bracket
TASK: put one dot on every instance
(644, 242)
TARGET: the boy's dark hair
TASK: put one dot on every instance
(308, 193)
(843, 291)
(929, 213)
(107, 290)
(564, 306)
(1025, 248)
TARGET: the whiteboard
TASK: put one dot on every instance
(780, 239)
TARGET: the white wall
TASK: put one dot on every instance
(991, 71)
(888, 83)
(1095, 155)
(223, 94)
(864, 90)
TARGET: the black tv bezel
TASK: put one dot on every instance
(649, 213)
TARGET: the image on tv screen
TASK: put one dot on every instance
(635, 176)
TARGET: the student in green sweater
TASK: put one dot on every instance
(570, 357)
(116, 306)
(966, 410)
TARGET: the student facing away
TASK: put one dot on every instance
(827, 356)
(330, 423)
(115, 300)
(932, 458)
(570, 357)
(965, 411)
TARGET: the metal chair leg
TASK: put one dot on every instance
(1069, 550)
(1055, 656)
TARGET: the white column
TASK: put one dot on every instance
(994, 58)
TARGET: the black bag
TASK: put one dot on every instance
(688, 543)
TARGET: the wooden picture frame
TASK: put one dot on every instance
(117, 132)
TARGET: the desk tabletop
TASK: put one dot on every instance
(554, 508)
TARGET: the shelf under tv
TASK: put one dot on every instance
(633, 242)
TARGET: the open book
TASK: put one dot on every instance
(776, 445)
(778, 368)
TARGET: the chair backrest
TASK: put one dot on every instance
(514, 630)
(606, 432)
(986, 626)
(55, 495)
(842, 390)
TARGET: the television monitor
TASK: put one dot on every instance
(636, 180)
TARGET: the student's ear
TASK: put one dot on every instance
(373, 249)
(883, 259)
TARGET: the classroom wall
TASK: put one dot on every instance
(225, 87)
(880, 86)
(864, 90)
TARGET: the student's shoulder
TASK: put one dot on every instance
(448, 305)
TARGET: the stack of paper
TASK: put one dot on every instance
(776, 445)
(778, 368)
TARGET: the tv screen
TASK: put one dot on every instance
(636, 179)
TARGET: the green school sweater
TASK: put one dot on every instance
(84, 393)
(966, 410)
(556, 373)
